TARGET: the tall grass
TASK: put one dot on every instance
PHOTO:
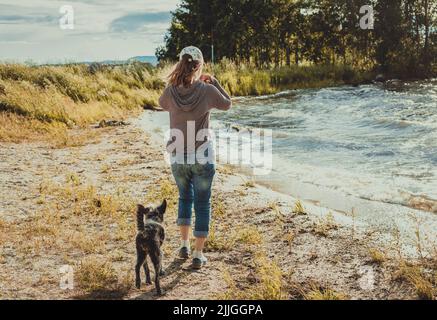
(245, 79)
(60, 97)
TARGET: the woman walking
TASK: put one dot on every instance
(189, 98)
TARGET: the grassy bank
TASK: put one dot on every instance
(44, 101)
(47, 100)
(246, 79)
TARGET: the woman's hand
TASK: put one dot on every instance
(207, 78)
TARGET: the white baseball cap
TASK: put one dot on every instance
(194, 52)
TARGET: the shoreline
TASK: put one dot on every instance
(75, 206)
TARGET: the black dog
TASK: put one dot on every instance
(149, 241)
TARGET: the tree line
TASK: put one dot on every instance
(284, 32)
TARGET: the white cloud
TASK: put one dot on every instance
(104, 29)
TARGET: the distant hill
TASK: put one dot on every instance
(150, 59)
(146, 59)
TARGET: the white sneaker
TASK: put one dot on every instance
(199, 260)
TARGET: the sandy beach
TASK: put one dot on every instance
(75, 206)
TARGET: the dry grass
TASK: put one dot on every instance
(320, 293)
(279, 216)
(84, 200)
(289, 238)
(377, 256)
(247, 79)
(218, 241)
(16, 128)
(226, 169)
(268, 282)
(94, 275)
(267, 276)
(86, 243)
(164, 189)
(419, 272)
(222, 237)
(424, 283)
(298, 208)
(325, 224)
(77, 222)
(42, 103)
(249, 184)
(80, 204)
(250, 236)
(218, 208)
(270, 286)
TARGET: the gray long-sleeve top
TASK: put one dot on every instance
(193, 103)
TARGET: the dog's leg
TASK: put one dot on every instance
(147, 271)
(161, 272)
(156, 260)
(141, 257)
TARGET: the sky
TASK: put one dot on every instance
(41, 30)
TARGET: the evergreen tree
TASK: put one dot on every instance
(281, 32)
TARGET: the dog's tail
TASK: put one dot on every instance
(140, 217)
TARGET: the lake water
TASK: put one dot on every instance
(372, 142)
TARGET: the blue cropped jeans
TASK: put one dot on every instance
(194, 182)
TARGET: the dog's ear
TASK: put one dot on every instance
(142, 209)
(162, 207)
